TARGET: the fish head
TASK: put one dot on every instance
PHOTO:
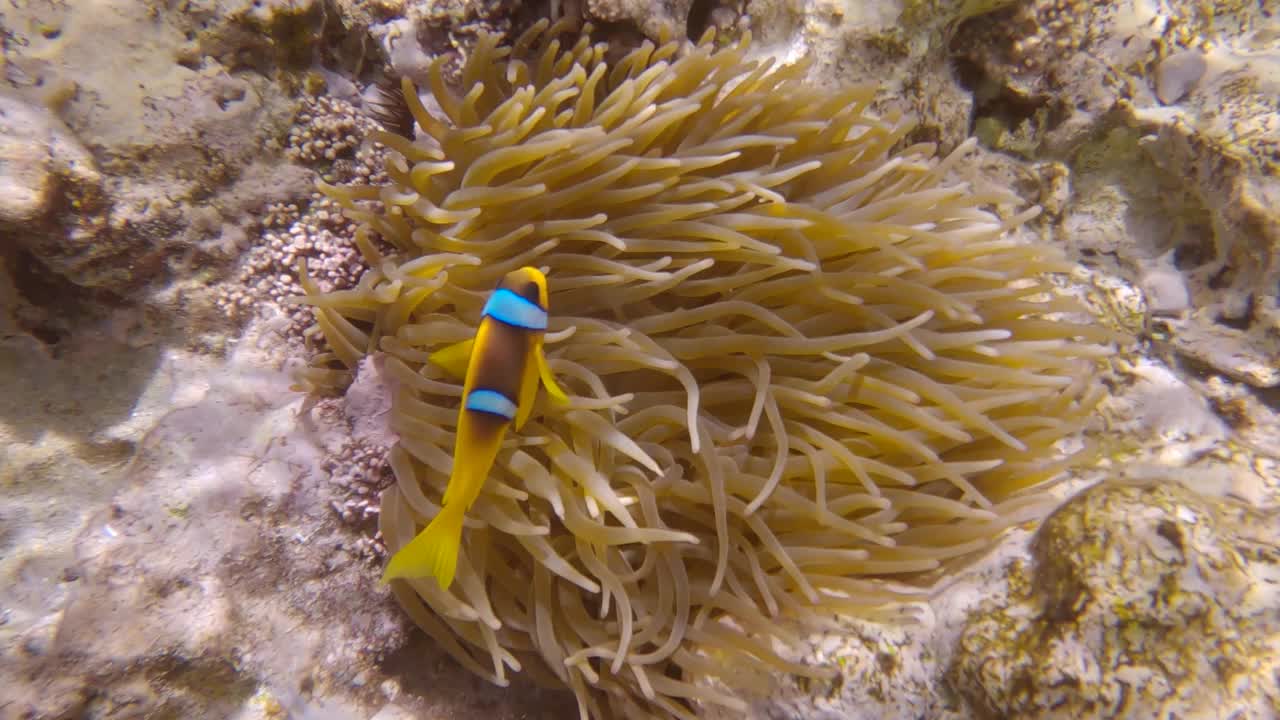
(527, 282)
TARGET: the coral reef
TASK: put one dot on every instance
(330, 136)
(835, 361)
(667, 18)
(134, 162)
(904, 44)
(1144, 601)
(1161, 117)
(183, 133)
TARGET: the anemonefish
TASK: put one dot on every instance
(501, 367)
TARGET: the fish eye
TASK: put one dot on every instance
(523, 284)
(529, 291)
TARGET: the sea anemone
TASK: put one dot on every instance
(804, 355)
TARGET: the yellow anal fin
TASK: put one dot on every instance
(434, 552)
(455, 358)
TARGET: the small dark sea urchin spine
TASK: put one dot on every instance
(390, 109)
(835, 356)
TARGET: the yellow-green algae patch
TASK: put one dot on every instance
(843, 363)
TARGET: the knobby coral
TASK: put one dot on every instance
(801, 359)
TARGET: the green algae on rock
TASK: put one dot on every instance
(843, 364)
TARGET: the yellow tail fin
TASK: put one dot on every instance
(433, 552)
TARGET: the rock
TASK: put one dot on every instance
(38, 157)
(367, 403)
(1240, 355)
(650, 18)
(1167, 408)
(204, 574)
(114, 187)
(1166, 289)
(1228, 237)
(1144, 602)
(393, 712)
(1177, 74)
(1152, 172)
(52, 202)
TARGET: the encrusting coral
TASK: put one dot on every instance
(800, 360)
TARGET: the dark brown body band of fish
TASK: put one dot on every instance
(501, 364)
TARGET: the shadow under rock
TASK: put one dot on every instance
(446, 689)
(81, 386)
(72, 361)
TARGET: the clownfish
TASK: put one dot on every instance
(501, 367)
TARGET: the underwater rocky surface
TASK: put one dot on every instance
(184, 535)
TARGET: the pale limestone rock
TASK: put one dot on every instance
(38, 155)
(1178, 74)
(51, 194)
(1187, 168)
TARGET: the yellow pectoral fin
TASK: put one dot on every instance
(548, 380)
(455, 358)
(434, 552)
(534, 369)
